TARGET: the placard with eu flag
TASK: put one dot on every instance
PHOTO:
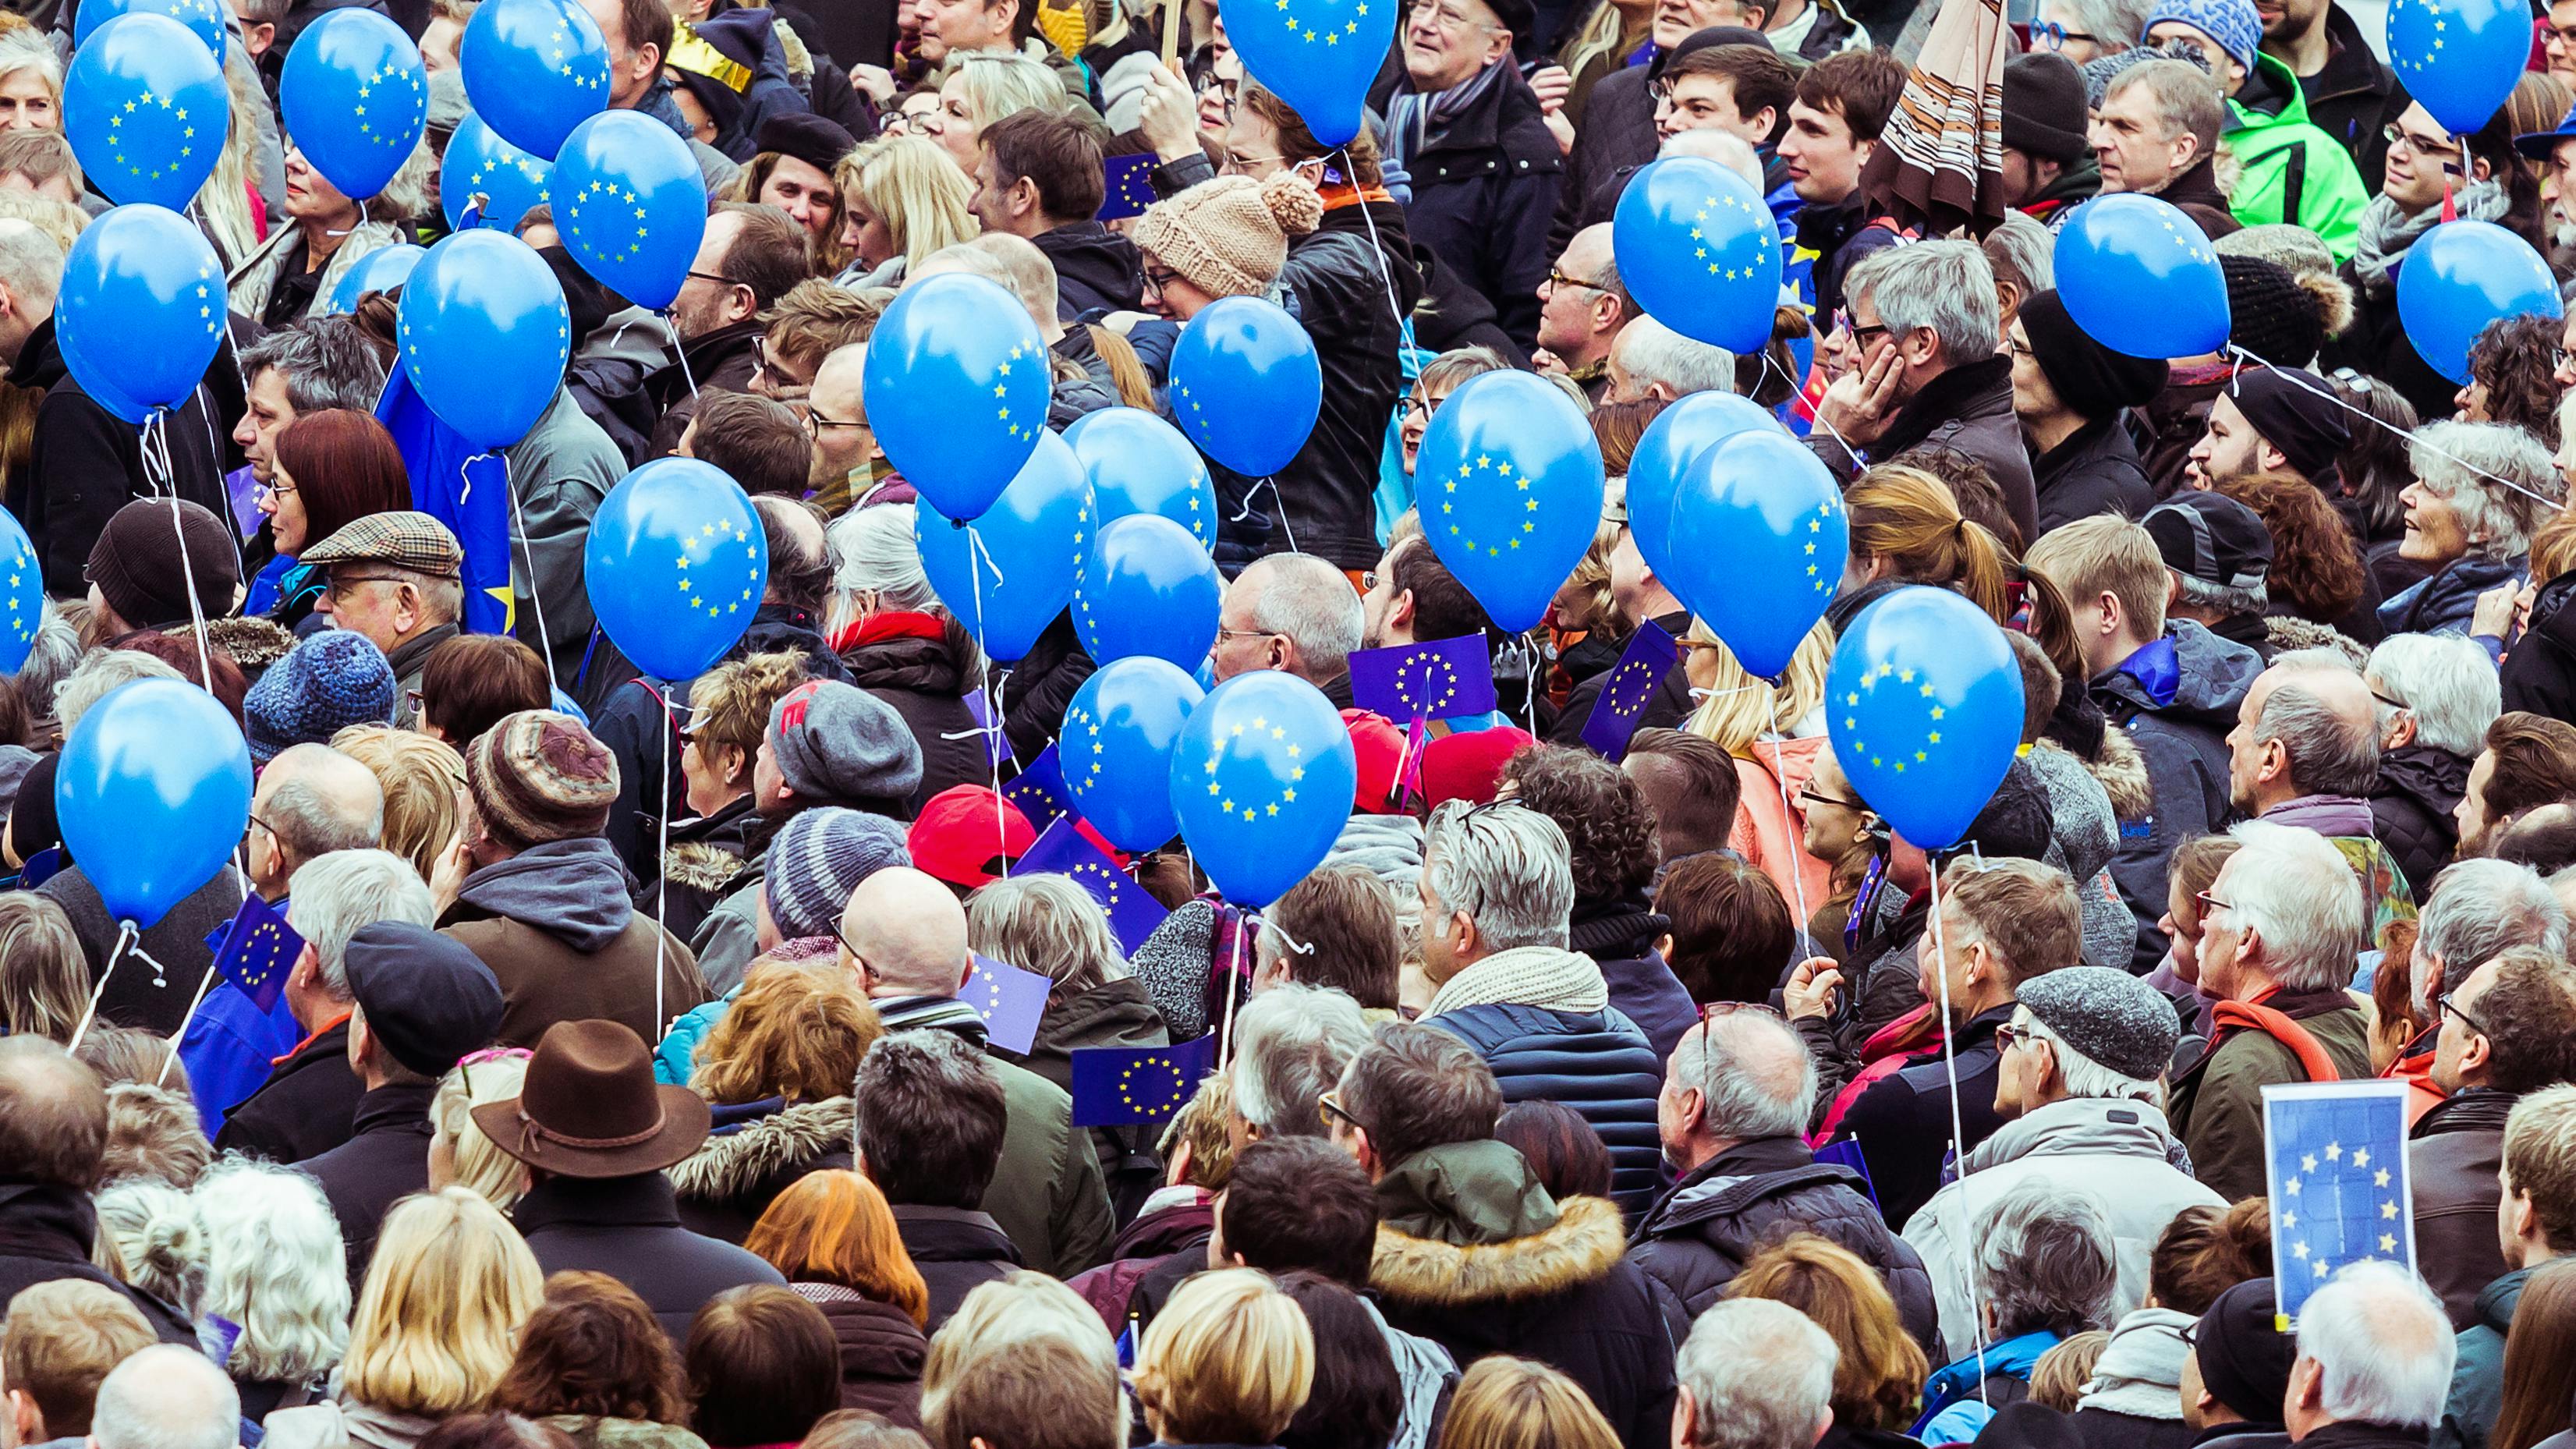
(1039, 790)
(1115, 1086)
(1133, 914)
(256, 951)
(1433, 679)
(1640, 671)
(1128, 185)
(2335, 1156)
(1009, 999)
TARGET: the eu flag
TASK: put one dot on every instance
(1115, 1086)
(1009, 999)
(2335, 1155)
(470, 494)
(1039, 790)
(1129, 185)
(1433, 679)
(1062, 849)
(256, 952)
(1641, 669)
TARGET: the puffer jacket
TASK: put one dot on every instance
(2410, 811)
(2539, 673)
(1698, 1235)
(882, 1351)
(2445, 603)
(757, 1151)
(2177, 698)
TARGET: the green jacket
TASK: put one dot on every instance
(2277, 151)
(2217, 1106)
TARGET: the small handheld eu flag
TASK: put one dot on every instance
(2335, 1158)
(255, 951)
(1009, 999)
(1115, 1086)
(1622, 701)
(1432, 679)
(1039, 789)
(1064, 850)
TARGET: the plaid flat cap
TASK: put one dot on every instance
(413, 541)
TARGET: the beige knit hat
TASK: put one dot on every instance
(1229, 237)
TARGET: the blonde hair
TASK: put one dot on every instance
(1879, 1374)
(1911, 519)
(420, 777)
(1022, 1307)
(481, 1168)
(60, 220)
(2107, 554)
(911, 185)
(792, 1032)
(1515, 1403)
(999, 84)
(1740, 709)
(1229, 1360)
(438, 1319)
(1047, 924)
(729, 704)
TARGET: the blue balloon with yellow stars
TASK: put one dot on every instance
(355, 97)
(153, 793)
(1509, 483)
(485, 333)
(203, 18)
(675, 564)
(1758, 540)
(2459, 59)
(479, 163)
(1671, 443)
(534, 69)
(958, 387)
(381, 270)
(632, 205)
(2461, 277)
(1246, 384)
(1139, 463)
(1262, 779)
(1147, 589)
(140, 310)
(146, 112)
(24, 597)
(2140, 277)
(1116, 748)
(1923, 703)
(1700, 251)
(1320, 56)
(1007, 573)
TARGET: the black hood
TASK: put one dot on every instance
(591, 302)
(1094, 267)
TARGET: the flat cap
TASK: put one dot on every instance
(427, 997)
(2115, 1019)
(406, 540)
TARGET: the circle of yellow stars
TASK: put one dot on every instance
(1079, 718)
(1629, 684)
(407, 88)
(156, 141)
(2380, 1181)
(2190, 242)
(578, 212)
(1502, 472)
(1003, 396)
(1438, 685)
(490, 158)
(1820, 579)
(22, 566)
(1173, 1087)
(712, 584)
(575, 57)
(1761, 263)
(2400, 17)
(1904, 678)
(1327, 32)
(1249, 807)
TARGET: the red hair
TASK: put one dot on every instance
(346, 466)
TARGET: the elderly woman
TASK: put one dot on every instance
(274, 1266)
(903, 646)
(2480, 490)
(2436, 695)
(293, 274)
(2083, 30)
(1229, 1360)
(31, 81)
(717, 849)
(777, 1069)
(1049, 925)
(459, 1154)
(2046, 1269)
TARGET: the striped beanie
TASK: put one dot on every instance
(817, 859)
(539, 776)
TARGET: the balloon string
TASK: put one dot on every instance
(2291, 376)
(1780, 776)
(1245, 511)
(978, 558)
(682, 348)
(536, 596)
(662, 861)
(157, 429)
(205, 983)
(1958, 1133)
(125, 936)
(1233, 983)
(1403, 323)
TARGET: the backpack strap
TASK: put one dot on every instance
(2251, 1016)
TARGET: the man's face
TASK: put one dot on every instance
(1439, 946)
(630, 74)
(2419, 161)
(836, 418)
(703, 305)
(438, 43)
(1674, 1101)
(365, 598)
(1949, 985)
(2035, 398)
(2454, 1036)
(264, 853)
(1676, 20)
(1707, 103)
(2222, 938)
(2247, 750)
(2229, 449)
(2026, 176)
(267, 416)
(804, 193)
(2021, 1073)
(2289, 19)
(2558, 41)
(2471, 813)
(1446, 42)
(2133, 145)
(2224, 67)
(1824, 161)
(1570, 315)
(962, 26)
(1239, 647)
(1380, 598)
(992, 200)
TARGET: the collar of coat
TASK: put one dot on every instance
(732, 1164)
(1582, 1246)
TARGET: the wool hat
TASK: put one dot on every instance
(328, 681)
(539, 776)
(2232, 23)
(2044, 107)
(817, 858)
(836, 743)
(818, 141)
(1520, 17)
(139, 568)
(427, 998)
(2270, 314)
(589, 1107)
(1469, 765)
(2089, 377)
(2295, 412)
(2244, 1357)
(2213, 538)
(32, 823)
(2115, 1019)
(402, 538)
(1229, 237)
(963, 831)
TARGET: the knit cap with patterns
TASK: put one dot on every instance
(817, 858)
(2270, 314)
(2234, 24)
(538, 776)
(1229, 237)
(330, 680)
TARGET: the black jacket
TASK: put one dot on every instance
(882, 1351)
(957, 1250)
(1617, 134)
(629, 1228)
(308, 1105)
(1902, 1122)
(1841, 236)
(1094, 268)
(385, 1160)
(710, 858)
(1038, 690)
(1327, 493)
(2096, 470)
(2354, 96)
(1666, 708)
(46, 1234)
(2376, 342)
(927, 680)
(2452, 1154)
(2540, 670)
(1968, 407)
(722, 360)
(2410, 810)
(1484, 188)
(1619, 935)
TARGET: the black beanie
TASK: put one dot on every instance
(2089, 377)
(32, 826)
(137, 567)
(2244, 1357)
(2295, 411)
(2044, 112)
(2270, 314)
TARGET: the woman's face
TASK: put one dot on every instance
(2076, 43)
(310, 197)
(1417, 420)
(27, 103)
(2181, 925)
(712, 782)
(864, 234)
(1170, 295)
(284, 505)
(701, 125)
(953, 125)
(1835, 820)
(2435, 534)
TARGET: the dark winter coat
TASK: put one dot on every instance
(557, 925)
(957, 1250)
(308, 1105)
(1326, 495)
(1598, 1063)
(1095, 268)
(2452, 1156)
(2539, 672)
(722, 361)
(1968, 408)
(2179, 722)
(136, 994)
(2217, 1105)
(2444, 603)
(2106, 1429)
(385, 1160)
(2410, 810)
(710, 858)
(1484, 188)
(46, 1234)
(1180, 1229)
(882, 1351)
(758, 1151)
(1041, 686)
(1902, 1122)
(1617, 133)
(2096, 470)
(1841, 237)
(1620, 935)
(2354, 96)
(2477, 1375)
(629, 1228)
(927, 679)
(1116, 1013)
(1666, 708)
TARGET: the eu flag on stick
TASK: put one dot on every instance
(1128, 185)
(1115, 1086)
(1009, 999)
(1039, 789)
(1640, 671)
(2335, 1157)
(256, 951)
(1434, 679)
(1062, 849)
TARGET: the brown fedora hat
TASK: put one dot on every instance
(589, 1107)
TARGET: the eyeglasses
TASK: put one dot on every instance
(2009, 1036)
(273, 835)
(1808, 796)
(342, 584)
(2018, 347)
(1223, 633)
(2449, 1001)
(2209, 903)
(1859, 334)
(719, 280)
(2427, 146)
(1329, 1108)
(2054, 36)
(276, 490)
(1158, 278)
(1415, 402)
(1556, 277)
(816, 421)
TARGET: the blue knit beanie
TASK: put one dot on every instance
(327, 682)
(2232, 23)
(817, 858)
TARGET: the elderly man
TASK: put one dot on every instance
(2280, 929)
(2288, 169)
(2436, 695)
(398, 579)
(1497, 892)
(2535, 1226)
(53, 1145)
(1755, 1374)
(2081, 1067)
(2305, 752)
(1292, 612)
(1920, 367)
(2157, 133)
(1291, 1043)
(847, 461)
(2374, 1353)
(2070, 393)
(1737, 1094)
(1583, 307)
(1650, 362)
(303, 367)
(166, 1397)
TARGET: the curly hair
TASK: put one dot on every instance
(2513, 359)
(729, 704)
(1604, 815)
(2316, 567)
(793, 1033)
(594, 1348)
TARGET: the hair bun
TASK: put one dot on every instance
(1293, 202)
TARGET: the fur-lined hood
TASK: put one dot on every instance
(2122, 773)
(254, 644)
(737, 1164)
(1584, 1243)
(703, 866)
(2285, 632)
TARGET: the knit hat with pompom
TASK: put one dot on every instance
(1229, 237)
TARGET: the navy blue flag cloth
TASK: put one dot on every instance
(1641, 668)
(1009, 999)
(1133, 914)
(255, 950)
(2335, 1158)
(1433, 679)
(1115, 1086)
(467, 491)
(1129, 185)
(1039, 790)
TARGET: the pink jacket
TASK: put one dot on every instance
(1772, 836)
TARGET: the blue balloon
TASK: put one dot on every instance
(141, 310)
(1326, 85)
(1246, 385)
(2461, 277)
(355, 97)
(2459, 58)
(1923, 702)
(1671, 443)
(1007, 574)
(153, 794)
(1116, 749)
(381, 270)
(675, 564)
(1700, 251)
(480, 163)
(1138, 463)
(1148, 589)
(1759, 538)
(958, 389)
(23, 599)
(485, 334)
(634, 205)
(2140, 277)
(1263, 779)
(1509, 479)
(203, 18)
(534, 69)
(146, 110)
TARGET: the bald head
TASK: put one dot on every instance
(908, 932)
(1292, 612)
(1737, 1077)
(2307, 727)
(166, 1397)
(53, 1116)
(311, 801)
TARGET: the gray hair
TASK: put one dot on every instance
(310, 818)
(2084, 1076)
(1650, 352)
(274, 1265)
(31, 261)
(1311, 602)
(1508, 868)
(2298, 892)
(873, 552)
(2187, 100)
(2329, 753)
(1291, 1044)
(325, 362)
(50, 661)
(2382, 1346)
(2200, 593)
(1760, 1375)
(2115, 25)
(2479, 909)
(2046, 1259)
(98, 675)
(2027, 247)
(1753, 1072)
(32, 47)
(166, 1397)
(346, 891)
(1047, 924)
(1946, 286)
(2449, 459)
(2445, 681)
(148, 1236)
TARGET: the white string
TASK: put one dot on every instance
(2414, 438)
(159, 426)
(1796, 863)
(977, 554)
(1403, 323)
(1285, 526)
(682, 348)
(1958, 1132)
(1233, 984)
(536, 595)
(662, 858)
(205, 983)
(125, 936)
(1302, 948)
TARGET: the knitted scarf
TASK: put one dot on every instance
(1411, 115)
(2387, 230)
(1547, 977)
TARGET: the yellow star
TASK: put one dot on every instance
(2377, 1179)
(2361, 1157)
(2334, 1152)
(2388, 1210)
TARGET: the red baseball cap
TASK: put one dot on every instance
(965, 832)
